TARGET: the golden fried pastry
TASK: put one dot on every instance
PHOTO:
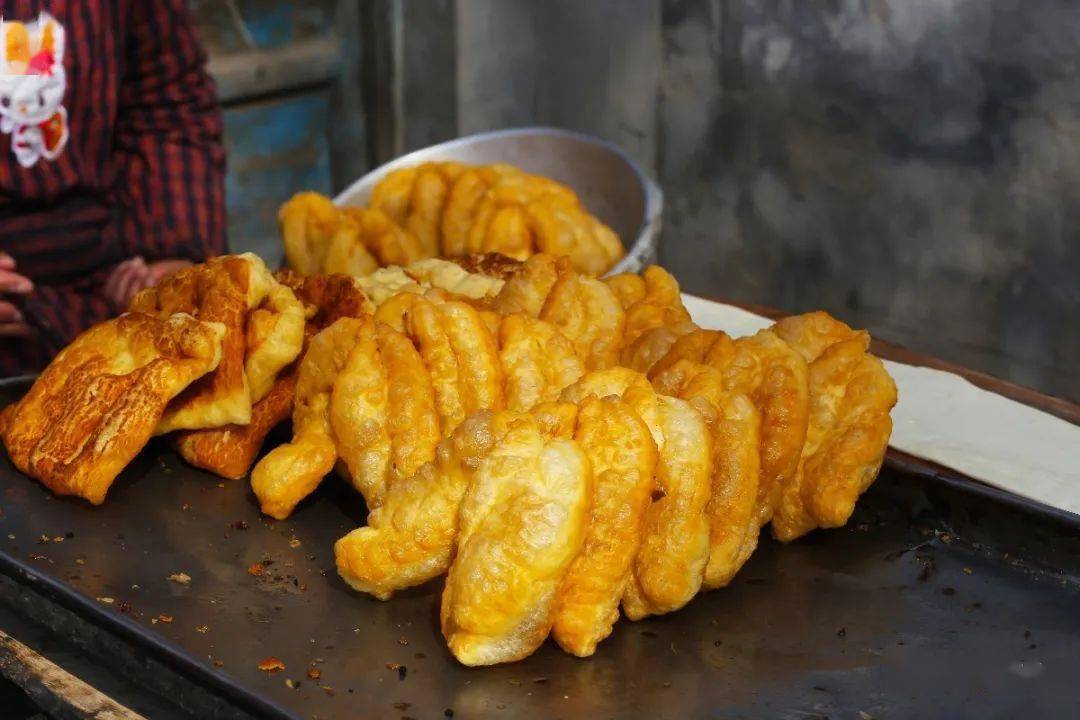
(631, 386)
(274, 337)
(652, 345)
(521, 524)
(416, 197)
(290, 472)
(651, 300)
(623, 456)
(771, 374)
(411, 422)
(346, 251)
(387, 241)
(360, 413)
(732, 511)
(587, 311)
(558, 224)
(527, 291)
(493, 265)
(537, 360)
(308, 223)
(95, 406)
(409, 539)
(765, 368)
(670, 564)
(709, 347)
(462, 355)
(454, 279)
(809, 334)
(229, 451)
(227, 290)
(851, 395)
(468, 191)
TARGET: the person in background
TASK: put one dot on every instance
(111, 164)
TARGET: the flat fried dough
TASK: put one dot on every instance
(229, 451)
(670, 565)
(521, 524)
(623, 456)
(95, 406)
(226, 289)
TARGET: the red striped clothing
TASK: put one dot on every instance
(142, 173)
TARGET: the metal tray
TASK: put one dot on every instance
(941, 598)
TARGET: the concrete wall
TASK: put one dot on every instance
(910, 165)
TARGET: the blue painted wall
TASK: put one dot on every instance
(275, 148)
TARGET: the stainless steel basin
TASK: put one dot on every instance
(611, 185)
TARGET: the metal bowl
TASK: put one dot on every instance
(611, 185)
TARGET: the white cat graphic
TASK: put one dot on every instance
(32, 85)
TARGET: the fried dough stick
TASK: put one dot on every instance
(623, 456)
(521, 524)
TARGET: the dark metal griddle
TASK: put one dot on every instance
(942, 598)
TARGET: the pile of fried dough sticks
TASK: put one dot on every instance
(559, 446)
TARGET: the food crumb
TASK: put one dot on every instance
(201, 629)
(842, 632)
(969, 571)
(239, 525)
(328, 689)
(291, 684)
(314, 673)
(180, 578)
(271, 665)
(80, 561)
(58, 539)
(294, 543)
(10, 536)
(403, 640)
(106, 600)
(256, 569)
(218, 663)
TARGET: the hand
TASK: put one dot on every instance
(131, 276)
(12, 283)
(126, 279)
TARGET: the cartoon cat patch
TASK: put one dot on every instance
(32, 84)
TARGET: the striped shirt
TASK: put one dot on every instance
(142, 172)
